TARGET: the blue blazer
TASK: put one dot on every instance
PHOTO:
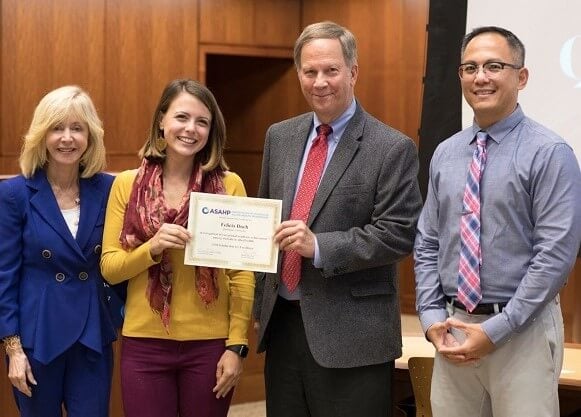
(51, 288)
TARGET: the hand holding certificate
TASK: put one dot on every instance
(233, 232)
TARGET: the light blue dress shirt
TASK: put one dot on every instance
(339, 125)
(530, 215)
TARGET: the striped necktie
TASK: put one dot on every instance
(469, 291)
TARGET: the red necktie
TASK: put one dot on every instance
(291, 263)
(469, 291)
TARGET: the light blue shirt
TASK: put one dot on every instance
(530, 223)
(339, 125)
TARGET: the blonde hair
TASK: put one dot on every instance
(212, 156)
(54, 108)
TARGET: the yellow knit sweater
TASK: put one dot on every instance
(227, 317)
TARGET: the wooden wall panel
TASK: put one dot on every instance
(391, 46)
(267, 91)
(148, 43)
(45, 44)
(7, 405)
(251, 385)
(571, 307)
(245, 53)
(255, 87)
(391, 40)
(250, 22)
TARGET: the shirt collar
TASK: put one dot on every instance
(340, 123)
(502, 128)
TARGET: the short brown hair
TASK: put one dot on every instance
(327, 30)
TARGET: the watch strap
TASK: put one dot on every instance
(240, 350)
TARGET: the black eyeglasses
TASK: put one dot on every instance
(490, 68)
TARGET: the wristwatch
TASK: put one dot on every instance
(241, 350)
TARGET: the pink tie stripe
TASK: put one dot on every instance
(469, 290)
(291, 262)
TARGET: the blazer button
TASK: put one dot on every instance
(83, 276)
(60, 277)
(46, 254)
(275, 285)
(97, 249)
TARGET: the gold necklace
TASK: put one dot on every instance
(66, 197)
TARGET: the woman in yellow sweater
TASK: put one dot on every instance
(184, 335)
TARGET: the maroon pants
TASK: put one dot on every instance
(167, 378)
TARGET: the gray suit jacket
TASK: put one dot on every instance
(364, 216)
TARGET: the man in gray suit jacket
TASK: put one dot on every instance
(331, 342)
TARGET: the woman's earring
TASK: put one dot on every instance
(160, 142)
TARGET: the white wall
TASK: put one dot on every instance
(551, 33)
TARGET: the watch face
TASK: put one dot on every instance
(243, 352)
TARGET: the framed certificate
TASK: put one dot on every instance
(233, 232)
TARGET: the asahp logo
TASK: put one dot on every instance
(217, 211)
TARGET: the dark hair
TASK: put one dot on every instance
(212, 156)
(514, 43)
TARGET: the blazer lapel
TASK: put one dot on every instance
(91, 206)
(44, 203)
(344, 153)
(296, 148)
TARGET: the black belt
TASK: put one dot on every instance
(289, 303)
(486, 309)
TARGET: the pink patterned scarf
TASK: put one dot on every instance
(145, 213)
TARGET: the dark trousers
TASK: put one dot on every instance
(296, 386)
(167, 378)
(79, 379)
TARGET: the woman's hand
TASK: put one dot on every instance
(228, 373)
(169, 236)
(19, 371)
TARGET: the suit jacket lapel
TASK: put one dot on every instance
(91, 206)
(44, 203)
(344, 153)
(296, 148)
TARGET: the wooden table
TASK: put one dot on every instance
(570, 374)
(569, 381)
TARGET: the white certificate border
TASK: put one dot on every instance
(197, 199)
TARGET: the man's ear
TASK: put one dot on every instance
(354, 72)
(523, 78)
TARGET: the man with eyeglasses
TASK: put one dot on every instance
(496, 240)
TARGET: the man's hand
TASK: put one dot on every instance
(295, 235)
(476, 345)
(441, 338)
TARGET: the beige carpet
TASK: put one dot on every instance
(410, 327)
(255, 409)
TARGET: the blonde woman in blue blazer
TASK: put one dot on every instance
(54, 318)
